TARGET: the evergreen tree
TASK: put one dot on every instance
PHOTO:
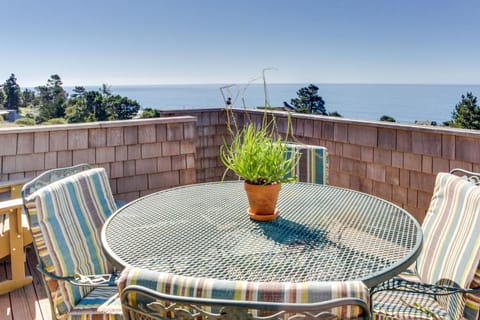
(77, 109)
(309, 101)
(467, 113)
(28, 98)
(2, 97)
(13, 93)
(121, 108)
(78, 91)
(100, 105)
(52, 99)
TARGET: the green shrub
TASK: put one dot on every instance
(387, 118)
(335, 114)
(25, 122)
(55, 121)
(150, 113)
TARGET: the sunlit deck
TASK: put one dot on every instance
(29, 302)
(395, 162)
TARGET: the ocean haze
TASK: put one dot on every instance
(403, 102)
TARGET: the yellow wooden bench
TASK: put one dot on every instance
(14, 234)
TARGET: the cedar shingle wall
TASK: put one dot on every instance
(396, 162)
(393, 161)
(140, 156)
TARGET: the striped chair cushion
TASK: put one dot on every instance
(102, 303)
(408, 305)
(248, 291)
(66, 219)
(402, 305)
(312, 166)
(451, 248)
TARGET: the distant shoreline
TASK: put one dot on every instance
(406, 103)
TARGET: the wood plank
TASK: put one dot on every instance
(5, 308)
(19, 303)
(29, 302)
(43, 309)
(32, 298)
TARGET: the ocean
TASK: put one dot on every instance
(405, 103)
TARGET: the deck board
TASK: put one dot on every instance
(29, 302)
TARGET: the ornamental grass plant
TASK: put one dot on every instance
(258, 153)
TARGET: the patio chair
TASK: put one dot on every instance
(440, 284)
(15, 232)
(312, 166)
(150, 295)
(66, 217)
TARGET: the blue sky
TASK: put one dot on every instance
(91, 42)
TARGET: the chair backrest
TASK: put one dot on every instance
(313, 164)
(451, 248)
(472, 301)
(50, 176)
(148, 295)
(66, 217)
(473, 177)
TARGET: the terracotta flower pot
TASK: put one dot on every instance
(263, 201)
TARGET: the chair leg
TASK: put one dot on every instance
(17, 253)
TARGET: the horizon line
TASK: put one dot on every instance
(271, 83)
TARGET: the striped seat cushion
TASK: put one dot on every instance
(312, 167)
(403, 305)
(66, 220)
(248, 291)
(410, 305)
(102, 303)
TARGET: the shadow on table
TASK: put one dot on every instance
(287, 232)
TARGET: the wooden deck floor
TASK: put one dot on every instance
(29, 302)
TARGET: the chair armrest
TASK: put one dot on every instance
(13, 206)
(397, 284)
(13, 187)
(90, 280)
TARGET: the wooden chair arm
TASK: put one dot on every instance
(15, 243)
(14, 187)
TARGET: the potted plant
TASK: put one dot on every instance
(259, 155)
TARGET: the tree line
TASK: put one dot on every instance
(466, 113)
(51, 103)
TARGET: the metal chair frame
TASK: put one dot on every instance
(473, 177)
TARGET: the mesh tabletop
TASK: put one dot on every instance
(323, 233)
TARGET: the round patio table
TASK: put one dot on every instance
(323, 233)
